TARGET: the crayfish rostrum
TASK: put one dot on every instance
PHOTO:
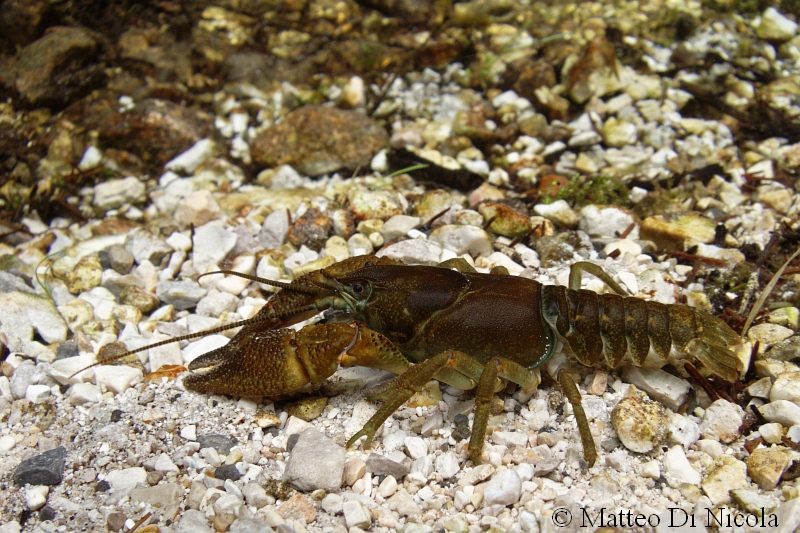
(454, 325)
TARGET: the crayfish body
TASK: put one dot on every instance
(457, 326)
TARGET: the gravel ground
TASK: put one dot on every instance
(661, 143)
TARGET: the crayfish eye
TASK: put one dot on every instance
(360, 290)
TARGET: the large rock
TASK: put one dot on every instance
(317, 140)
(58, 68)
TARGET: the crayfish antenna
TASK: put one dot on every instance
(305, 289)
(219, 329)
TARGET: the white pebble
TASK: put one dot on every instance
(117, 378)
(503, 489)
(189, 432)
(447, 465)
(677, 466)
(7, 442)
(37, 393)
(36, 497)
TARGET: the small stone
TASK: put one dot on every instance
(722, 421)
(416, 447)
(766, 466)
(189, 432)
(311, 229)
(249, 525)
(786, 387)
(275, 229)
(382, 465)
(187, 161)
(308, 408)
(117, 379)
(727, 473)
(356, 515)
(7, 443)
(159, 496)
(782, 411)
(558, 212)
(413, 252)
(119, 258)
(672, 232)
(387, 487)
(164, 464)
(772, 432)
(753, 503)
(211, 245)
(774, 26)
(316, 462)
(619, 133)
(651, 469)
(46, 468)
(115, 521)
(180, 294)
(255, 495)
(447, 465)
(677, 467)
(227, 472)
(37, 393)
(641, 424)
(462, 239)
(144, 246)
(683, 430)
(768, 334)
(381, 204)
(196, 208)
(36, 497)
(139, 298)
(193, 521)
(354, 470)
(298, 507)
(760, 388)
(126, 478)
(398, 226)
(607, 221)
(21, 313)
(113, 194)
(221, 443)
(332, 504)
(504, 488)
(505, 220)
(661, 386)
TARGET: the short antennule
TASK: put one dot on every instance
(305, 289)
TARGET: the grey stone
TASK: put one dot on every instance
(193, 521)
(10, 282)
(44, 469)
(221, 443)
(144, 246)
(227, 472)
(118, 257)
(211, 245)
(21, 313)
(382, 465)
(181, 294)
(316, 462)
(159, 495)
(249, 525)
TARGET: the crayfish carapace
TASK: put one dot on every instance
(454, 325)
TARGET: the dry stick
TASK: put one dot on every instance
(767, 290)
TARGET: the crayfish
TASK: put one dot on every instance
(455, 325)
